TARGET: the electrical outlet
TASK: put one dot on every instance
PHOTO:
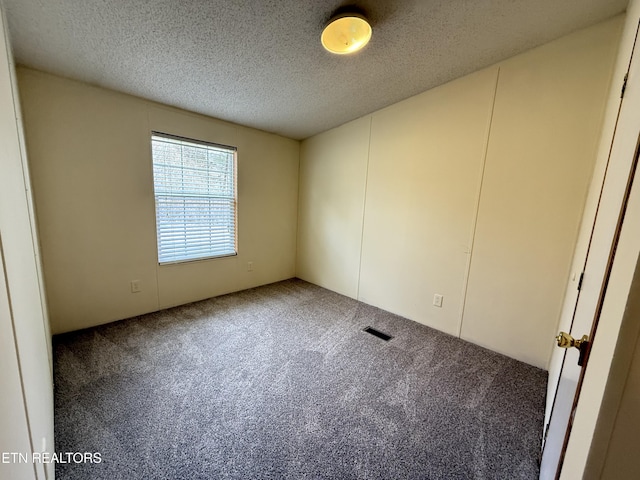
(249, 266)
(437, 300)
(135, 286)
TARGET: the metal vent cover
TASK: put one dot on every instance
(377, 333)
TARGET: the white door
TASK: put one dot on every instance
(600, 233)
(14, 426)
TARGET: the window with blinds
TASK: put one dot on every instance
(195, 193)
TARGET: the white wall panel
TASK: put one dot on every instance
(425, 169)
(333, 169)
(544, 137)
(498, 247)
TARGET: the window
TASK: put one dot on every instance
(195, 193)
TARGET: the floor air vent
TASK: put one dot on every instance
(378, 333)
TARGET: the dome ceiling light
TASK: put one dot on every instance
(346, 32)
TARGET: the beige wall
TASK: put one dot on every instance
(543, 144)
(26, 389)
(471, 191)
(425, 165)
(332, 195)
(89, 152)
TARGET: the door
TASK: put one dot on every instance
(592, 283)
(14, 425)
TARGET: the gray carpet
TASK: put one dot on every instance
(280, 382)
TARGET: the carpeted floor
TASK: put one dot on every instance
(280, 382)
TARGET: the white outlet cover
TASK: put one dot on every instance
(437, 300)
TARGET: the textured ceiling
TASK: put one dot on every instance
(260, 63)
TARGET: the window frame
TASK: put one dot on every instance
(234, 166)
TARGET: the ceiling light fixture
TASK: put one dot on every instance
(346, 33)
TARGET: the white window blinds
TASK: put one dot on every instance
(195, 193)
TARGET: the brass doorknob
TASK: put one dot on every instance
(567, 341)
